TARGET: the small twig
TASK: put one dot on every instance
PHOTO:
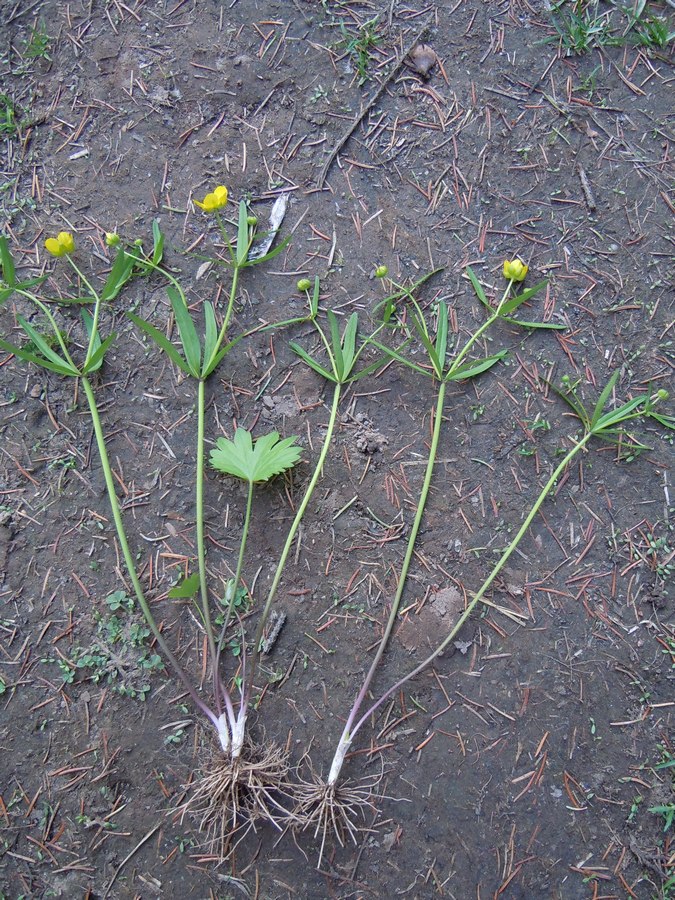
(586, 188)
(128, 857)
(369, 105)
(17, 12)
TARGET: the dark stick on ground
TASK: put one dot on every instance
(369, 105)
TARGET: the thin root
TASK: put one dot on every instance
(233, 796)
(338, 810)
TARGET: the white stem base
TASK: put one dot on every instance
(223, 730)
(238, 735)
(338, 760)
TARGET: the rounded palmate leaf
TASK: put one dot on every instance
(270, 456)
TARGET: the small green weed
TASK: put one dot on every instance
(9, 127)
(582, 25)
(648, 30)
(119, 655)
(65, 462)
(588, 85)
(634, 807)
(320, 93)
(175, 737)
(360, 46)
(240, 603)
(654, 32)
(38, 44)
(662, 556)
(667, 810)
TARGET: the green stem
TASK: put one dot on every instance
(230, 306)
(407, 559)
(94, 332)
(479, 332)
(201, 405)
(52, 322)
(97, 307)
(326, 344)
(226, 240)
(291, 537)
(83, 277)
(199, 515)
(124, 544)
(242, 548)
(557, 472)
(228, 615)
(208, 363)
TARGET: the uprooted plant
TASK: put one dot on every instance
(332, 806)
(225, 790)
(198, 360)
(242, 778)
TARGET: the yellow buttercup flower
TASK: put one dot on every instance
(217, 199)
(515, 269)
(61, 245)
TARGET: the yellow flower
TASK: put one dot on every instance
(217, 199)
(515, 270)
(61, 245)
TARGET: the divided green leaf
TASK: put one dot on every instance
(478, 287)
(96, 359)
(41, 343)
(603, 398)
(269, 456)
(394, 354)
(513, 304)
(306, 358)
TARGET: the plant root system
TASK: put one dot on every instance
(335, 810)
(234, 796)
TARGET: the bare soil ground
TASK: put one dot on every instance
(524, 763)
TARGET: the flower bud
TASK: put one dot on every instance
(112, 239)
(515, 269)
(662, 394)
(381, 271)
(304, 285)
(251, 220)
